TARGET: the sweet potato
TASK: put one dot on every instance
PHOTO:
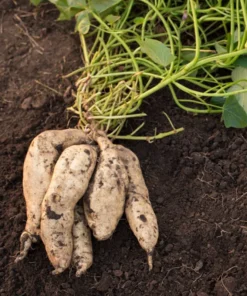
(138, 209)
(37, 172)
(69, 182)
(105, 197)
(82, 257)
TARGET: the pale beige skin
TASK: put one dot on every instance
(138, 209)
(105, 198)
(69, 182)
(37, 172)
(82, 257)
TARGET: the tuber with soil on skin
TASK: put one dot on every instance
(105, 198)
(138, 209)
(82, 257)
(39, 163)
(53, 184)
(69, 182)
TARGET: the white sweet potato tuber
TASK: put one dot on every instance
(138, 209)
(82, 257)
(104, 201)
(37, 172)
(69, 182)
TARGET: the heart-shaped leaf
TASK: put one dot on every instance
(235, 111)
(157, 51)
(82, 22)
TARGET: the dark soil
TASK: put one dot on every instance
(197, 180)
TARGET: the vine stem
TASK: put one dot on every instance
(184, 71)
(116, 57)
(149, 139)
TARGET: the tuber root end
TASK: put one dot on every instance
(58, 270)
(26, 242)
(150, 261)
(82, 270)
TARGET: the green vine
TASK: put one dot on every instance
(139, 47)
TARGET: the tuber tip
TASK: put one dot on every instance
(57, 270)
(150, 261)
(82, 269)
(20, 257)
(26, 242)
(79, 273)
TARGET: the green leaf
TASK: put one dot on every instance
(69, 8)
(218, 101)
(111, 19)
(241, 97)
(235, 112)
(102, 5)
(189, 55)
(76, 3)
(139, 20)
(234, 87)
(82, 22)
(36, 2)
(241, 61)
(236, 37)
(157, 51)
(235, 108)
(242, 100)
(219, 48)
(240, 73)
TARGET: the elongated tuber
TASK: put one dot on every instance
(69, 182)
(105, 198)
(138, 209)
(82, 257)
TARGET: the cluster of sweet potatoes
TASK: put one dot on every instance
(61, 168)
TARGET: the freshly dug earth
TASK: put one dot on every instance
(197, 180)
